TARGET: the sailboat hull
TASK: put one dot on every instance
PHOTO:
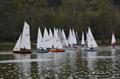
(91, 49)
(42, 51)
(23, 51)
(57, 50)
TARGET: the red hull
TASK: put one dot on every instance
(56, 50)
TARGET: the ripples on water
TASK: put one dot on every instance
(69, 65)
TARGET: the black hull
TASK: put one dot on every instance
(23, 51)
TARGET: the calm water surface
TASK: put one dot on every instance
(72, 64)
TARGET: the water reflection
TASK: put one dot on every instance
(59, 63)
(45, 67)
(91, 58)
(67, 65)
(72, 62)
(24, 68)
(113, 52)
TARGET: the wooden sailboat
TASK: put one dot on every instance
(23, 44)
(40, 43)
(91, 43)
(113, 41)
(57, 45)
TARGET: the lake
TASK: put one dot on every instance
(72, 64)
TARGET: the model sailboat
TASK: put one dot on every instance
(72, 40)
(91, 43)
(113, 41)
(57, 45)
(23, 44)
(41, 43)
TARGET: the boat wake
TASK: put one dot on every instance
(99, 57)
(27, 60)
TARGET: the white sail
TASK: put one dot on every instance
(86, 38)
(25, 40)
(51, 38)
(17, 46)
(64, 38)
(113, 41)
(90, 39)
(83, 39)
(39, 39)
(61, 37)
(74, 37)
(46, 39)
(70, 38)
(57, 42)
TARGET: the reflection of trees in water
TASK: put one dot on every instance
(75, 66)
(103, 67)
(90, 59)
(71, 65)
(24, 68)
(59, 65)
(81, 65)
(45, 68)
(115, 63)
(8, 70)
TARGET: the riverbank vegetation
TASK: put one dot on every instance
(102, 16)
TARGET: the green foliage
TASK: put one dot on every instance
(101, 15)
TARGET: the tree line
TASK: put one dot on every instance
(102, 16)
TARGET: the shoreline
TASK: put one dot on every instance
(10, 46)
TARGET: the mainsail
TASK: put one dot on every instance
(90, 39)
(83, 39)
(39, 39)
(113, 41)
(25, 40)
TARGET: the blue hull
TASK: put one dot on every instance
(91, 49)
(42, 51)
